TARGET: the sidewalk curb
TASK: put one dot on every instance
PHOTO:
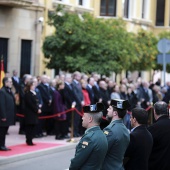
(39, 153)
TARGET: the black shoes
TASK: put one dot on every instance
(4, 148)
(60, 137)
(30, 143)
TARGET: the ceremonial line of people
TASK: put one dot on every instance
(39, 96)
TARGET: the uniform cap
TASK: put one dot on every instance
(120, 104)
(98, 107)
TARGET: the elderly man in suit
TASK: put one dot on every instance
(7, 111)
(160, 130)
(117, 135)
(92, 148)
(139, 149)
(79, 99)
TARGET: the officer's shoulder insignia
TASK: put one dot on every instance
(85, 143)
(106, 132)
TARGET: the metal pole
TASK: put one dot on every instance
(164, 66)
(72, 124)
(72, 127)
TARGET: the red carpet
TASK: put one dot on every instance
(23, 148)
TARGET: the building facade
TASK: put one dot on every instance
(23, 25)
(20, 35)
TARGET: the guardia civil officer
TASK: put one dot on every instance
(117, 135)
(92, 148)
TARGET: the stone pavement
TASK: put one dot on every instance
(21, 151)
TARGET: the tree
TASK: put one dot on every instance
(88, 44)
(145, 50)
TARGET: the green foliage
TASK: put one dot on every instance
(89, 45)
(145, 50)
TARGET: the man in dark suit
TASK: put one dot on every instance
(7, 111)
(16, 81)
(140, 146)
(160, 130)
(69, 97)
(44, 89)
(89, 88)
(77, 89)
(105, 100)
(117, 135)
(92, 148)
(97, 96)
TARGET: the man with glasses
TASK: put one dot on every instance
(140, 146)
(160, 130)
(117, 135)
(7, 111)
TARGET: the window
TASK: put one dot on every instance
(108, 8)
(160, 12)
(143, 8)
(80, 2)
(126, 8)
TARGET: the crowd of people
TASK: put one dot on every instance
(67, 91)
(124, 107)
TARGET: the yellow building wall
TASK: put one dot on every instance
(134, 24)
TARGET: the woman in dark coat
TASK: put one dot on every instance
(58, 107)
(31, 111)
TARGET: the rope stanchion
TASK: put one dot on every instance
(148, 108)
(72, 126)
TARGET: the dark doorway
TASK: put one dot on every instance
(4, 51)
(25, 57)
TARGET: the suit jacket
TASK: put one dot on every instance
(16, 84)
(97, 95)
(7, 107)
(77, 92)
(58, 105)
(159, 158)
(139, 149)
(90, 151)
(46, 96)
(69, 96)
(31, 108)
(91, 94)
(118, 140)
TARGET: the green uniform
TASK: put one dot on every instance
(90, 151)
(118, 140)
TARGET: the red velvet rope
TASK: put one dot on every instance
(69, 110)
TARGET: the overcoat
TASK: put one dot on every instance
(31, 108)
(139, 149)
(160, 154)
(7, 107)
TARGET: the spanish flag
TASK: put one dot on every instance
(2, 73)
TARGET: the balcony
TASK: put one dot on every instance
(82, 9)
(17, 3)
(66, 4)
